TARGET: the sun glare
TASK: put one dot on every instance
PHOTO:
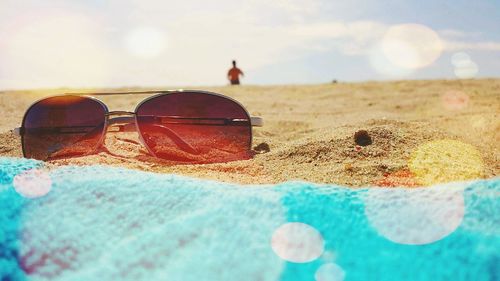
(146, 42)
(62, 49)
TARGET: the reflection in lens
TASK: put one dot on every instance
(195, 128)
(63, 126)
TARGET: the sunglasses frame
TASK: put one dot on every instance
(132, 116)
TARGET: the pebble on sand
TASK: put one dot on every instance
(262, 148)
(362, 138)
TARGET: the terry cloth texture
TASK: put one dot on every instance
(105, 223)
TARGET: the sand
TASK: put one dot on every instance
(435, 130)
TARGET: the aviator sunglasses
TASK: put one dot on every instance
(181, 126)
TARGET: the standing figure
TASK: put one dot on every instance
(234, 74)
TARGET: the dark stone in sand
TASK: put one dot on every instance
(262, 148)
(362, 138)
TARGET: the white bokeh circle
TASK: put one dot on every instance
(329, 272)
(297, 242)
(467, 70)
(465, 67)
(32, 183)
(382, 65)
(415, 216)
(411, 46)
(460, 58)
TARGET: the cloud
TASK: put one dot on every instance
(453, 33)
(456, 40)
(472, 45)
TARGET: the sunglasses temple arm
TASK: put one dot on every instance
(177, 139)
(17, 132)
(131, 127)
(257, 121)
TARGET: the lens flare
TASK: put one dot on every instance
(32, 183)
(445, 161)
(146, 42)
(467, 71)
(465, 67)
(297, 242)
(329, 272)
(415, 216)
(459, 59)
(411, 46)
(382, 65)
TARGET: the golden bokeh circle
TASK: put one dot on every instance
(447, 160)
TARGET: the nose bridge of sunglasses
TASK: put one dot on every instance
(123, 122)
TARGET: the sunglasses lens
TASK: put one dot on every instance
(195, 127)
(60, 127)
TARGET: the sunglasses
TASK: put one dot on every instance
(181, 126)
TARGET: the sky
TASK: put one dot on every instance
(127, 43)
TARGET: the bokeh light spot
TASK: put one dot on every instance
(460, 58)
(445, 161)
(455, 100)
(415, 216)
(32, 183)
(465, 67)
(411, 46)
(146, 42)
(382, 65)
(329, 272)
(467, 71)
(328, 256)
(297, 242)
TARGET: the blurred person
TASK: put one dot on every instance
(234, 74)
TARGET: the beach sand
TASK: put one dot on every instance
(418, 128)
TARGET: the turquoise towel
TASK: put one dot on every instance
(104, 223)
